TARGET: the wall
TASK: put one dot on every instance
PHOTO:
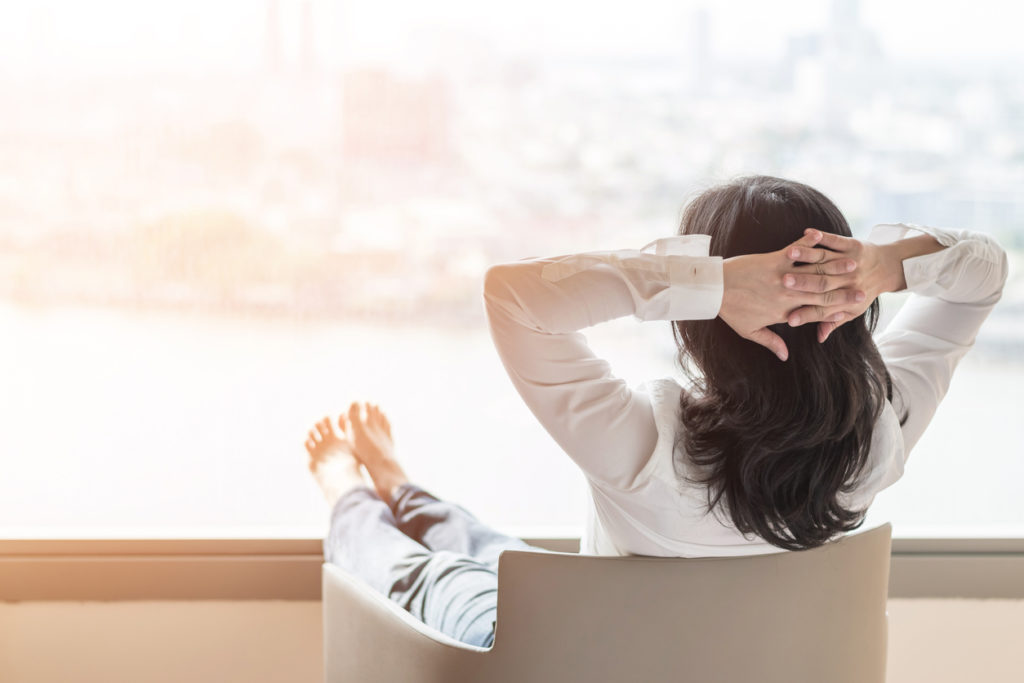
(931, 641)
(160, 642)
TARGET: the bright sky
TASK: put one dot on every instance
(127, 34)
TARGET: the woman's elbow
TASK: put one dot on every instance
(1002, 271)
(996, 264)
(499, 281)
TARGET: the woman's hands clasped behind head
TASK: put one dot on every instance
(873, 275)
(834, 286)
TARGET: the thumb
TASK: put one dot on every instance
(770, 341)
(827, 328)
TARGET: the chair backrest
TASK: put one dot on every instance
(811, 616)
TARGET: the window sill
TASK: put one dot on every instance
(289, 568)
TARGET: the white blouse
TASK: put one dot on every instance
(623, 438)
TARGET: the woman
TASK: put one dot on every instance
(795, 418)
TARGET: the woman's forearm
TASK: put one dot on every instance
(895, 253)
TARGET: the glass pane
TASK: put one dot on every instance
(222, 220)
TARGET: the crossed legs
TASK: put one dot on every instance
(432, 557)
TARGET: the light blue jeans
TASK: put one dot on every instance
(432, 557)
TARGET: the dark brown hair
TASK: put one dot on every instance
(774, 442)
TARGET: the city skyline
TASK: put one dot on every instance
(57, 36)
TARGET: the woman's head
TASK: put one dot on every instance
(777, 442)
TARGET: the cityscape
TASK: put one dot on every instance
(365, 191)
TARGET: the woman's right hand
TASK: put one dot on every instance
(879, 269)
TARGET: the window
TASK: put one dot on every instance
(220, 221)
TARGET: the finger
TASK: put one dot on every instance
(833, 241)
(813, 314)
(770, 341)
(825, 329)
(847, 298)
(805, 254)
(838, 266)
(808, 241)
(805, 282)
(810, 238)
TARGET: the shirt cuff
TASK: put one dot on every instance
(697, 288)
(695, 280)
(924, 273)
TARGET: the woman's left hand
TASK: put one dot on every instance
(755, 296)
(879, 269)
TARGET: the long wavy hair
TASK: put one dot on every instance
(774, 442)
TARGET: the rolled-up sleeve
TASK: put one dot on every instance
(953, 291)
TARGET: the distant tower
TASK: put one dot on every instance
(307, 57)
(272, 47)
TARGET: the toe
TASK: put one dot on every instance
(381, 420)
(329, 429)
(322, 430)
(341, 424)
(356, 423)
(310, 446)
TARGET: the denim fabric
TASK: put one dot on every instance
(432, 557)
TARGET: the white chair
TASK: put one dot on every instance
(816, 616)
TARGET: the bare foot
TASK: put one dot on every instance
(374, 447)
(332, 462)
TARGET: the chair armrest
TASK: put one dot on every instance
(348, 594)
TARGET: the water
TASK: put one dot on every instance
(118, 423)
